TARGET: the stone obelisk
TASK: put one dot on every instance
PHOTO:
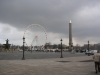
(70, 36)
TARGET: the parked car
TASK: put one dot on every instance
(82, 51)
(20, 50)
(57, 51)
(94, 51)
(88, 52)
(91, 52)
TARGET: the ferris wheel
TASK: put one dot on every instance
(35, 36)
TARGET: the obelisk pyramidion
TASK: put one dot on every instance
(70, 36)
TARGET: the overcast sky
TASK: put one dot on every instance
(54, 17)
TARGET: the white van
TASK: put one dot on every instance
(94, 51)
(91, 52)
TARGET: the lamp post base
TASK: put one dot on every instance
(23, 58)
(61, 57)
(88, 54)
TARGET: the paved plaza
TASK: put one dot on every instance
(36, 55)
(82, 65)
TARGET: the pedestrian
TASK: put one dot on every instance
(96, 58)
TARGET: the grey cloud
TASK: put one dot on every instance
(53, 15)
(5, 30)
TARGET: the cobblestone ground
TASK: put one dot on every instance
(54, 66)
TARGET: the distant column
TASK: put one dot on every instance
(70, 36)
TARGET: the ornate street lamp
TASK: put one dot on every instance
(23, 48)
(31, 48)
(88, 48)
(61, 48)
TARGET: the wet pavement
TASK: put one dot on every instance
(82, 65)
